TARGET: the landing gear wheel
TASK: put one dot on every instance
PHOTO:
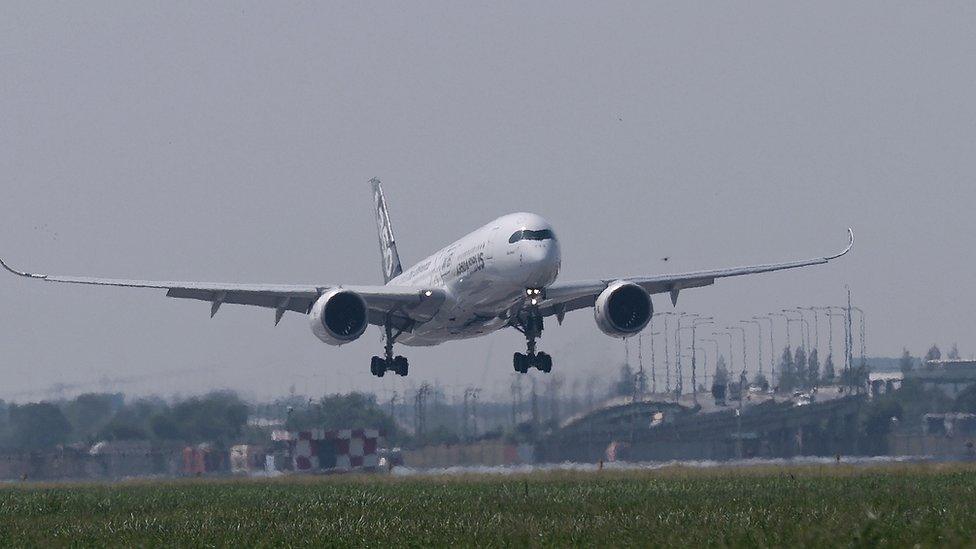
(400, 366)
(377, 366)
(531, 326)
(380, 365)
(543, 362)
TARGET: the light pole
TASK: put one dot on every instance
(742, 372)
(758, 347)
(789, 336)
(704, 368)
(830, 338)
(861, 334)
(847, 344)
(731, 360)
(714, 360)
(772, 347)
(667, 354)
(679, 382)
(803, 342)
(653, 364)
(816, 326)
(694, 341)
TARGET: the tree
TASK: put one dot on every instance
(90, 413)
(216, 417)
(625, 386)
(813, 368)
(351, 411)
(4, 424)
(934, 353)
(761, 381)
(966, 400)
(122, 429)
(906, 363)
(829, 373)
(787, 371)
(878, 418)
(800, 367)
(721, 379)
(953, 353)
(721, 372)
(38, 426)
(163, 427)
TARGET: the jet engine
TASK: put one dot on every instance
(623, 309)
(339, 316)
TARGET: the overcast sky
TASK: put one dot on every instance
(234, 142)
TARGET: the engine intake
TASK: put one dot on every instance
(339, 316)
(623, 309)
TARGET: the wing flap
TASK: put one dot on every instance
(299, 304)
(408, 304)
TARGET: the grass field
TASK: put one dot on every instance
(900, 505)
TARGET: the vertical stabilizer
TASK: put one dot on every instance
(388, 250)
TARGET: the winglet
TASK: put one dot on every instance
(20, 273)
(850, 245)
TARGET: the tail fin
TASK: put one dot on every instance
(388, 250)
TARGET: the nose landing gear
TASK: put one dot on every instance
(378, 366)
(531, 327)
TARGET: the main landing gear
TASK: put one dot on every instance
(523, 362)
(378, 366)
(532, 328)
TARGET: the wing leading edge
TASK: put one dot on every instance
(569, 296)
(408, 303)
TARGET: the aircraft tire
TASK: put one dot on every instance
(377, 366)
(521, 363)
(400, 366)
(543, 362)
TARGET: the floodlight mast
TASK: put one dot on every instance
(772, 346)
(701, 321)
(731, 358)
(760, 345)
(789, 336)
(742, 372)
(653, 364)
(714, 360)
(803, 335)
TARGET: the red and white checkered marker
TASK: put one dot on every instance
(354, 449)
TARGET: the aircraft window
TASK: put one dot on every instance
(543, 234)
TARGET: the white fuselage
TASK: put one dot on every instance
(484, 275)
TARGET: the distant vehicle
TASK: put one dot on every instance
(502, 275)
(390, 457)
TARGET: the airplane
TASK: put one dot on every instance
(501, 275)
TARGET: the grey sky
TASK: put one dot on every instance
(234, 142)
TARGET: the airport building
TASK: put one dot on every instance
(949, 376)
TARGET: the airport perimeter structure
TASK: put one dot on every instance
(658, 429)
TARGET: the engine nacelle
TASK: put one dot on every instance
(339, 316)
(623, 309)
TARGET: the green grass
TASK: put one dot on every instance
(899, 505)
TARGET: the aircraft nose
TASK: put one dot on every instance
(542, 258)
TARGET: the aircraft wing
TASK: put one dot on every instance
(561, 298)
(404, 303)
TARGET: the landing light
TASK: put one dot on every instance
(428, 293)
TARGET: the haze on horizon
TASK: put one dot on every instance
(234, 142)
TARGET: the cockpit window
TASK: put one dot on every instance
(543, 234)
